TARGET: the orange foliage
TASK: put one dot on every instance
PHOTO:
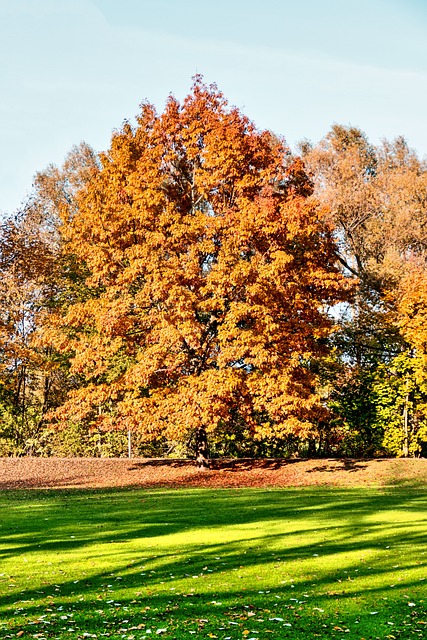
(412, 314)
(210, 274)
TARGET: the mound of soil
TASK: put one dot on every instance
(26, 473)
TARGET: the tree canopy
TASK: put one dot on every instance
(197, 283)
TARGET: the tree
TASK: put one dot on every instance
(24, 267)
(404, 397)
(210, 276)
(365, 343)
(33, 271)
(377, 201)
(343, 167)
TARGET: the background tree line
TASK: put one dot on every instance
(209, 292)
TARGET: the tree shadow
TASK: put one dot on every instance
(344, 464)
(248, 464)
(225, 472)
(318, 524)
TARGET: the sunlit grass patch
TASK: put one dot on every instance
(234, 564)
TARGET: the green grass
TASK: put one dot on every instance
(199, 563)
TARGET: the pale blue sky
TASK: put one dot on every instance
(73, 70)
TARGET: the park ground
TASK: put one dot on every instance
(43, 473)
(249, 550)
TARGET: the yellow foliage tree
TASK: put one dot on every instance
(211, 271)
(407, 433)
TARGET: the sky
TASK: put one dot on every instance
(74, 70)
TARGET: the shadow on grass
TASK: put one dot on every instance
(133, 530)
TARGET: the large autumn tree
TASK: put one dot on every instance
(210, 274)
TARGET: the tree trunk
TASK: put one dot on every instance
(202, 450)
(405, 450)
(129, 444)
(311, 448)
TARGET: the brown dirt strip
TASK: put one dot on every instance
(41, 473)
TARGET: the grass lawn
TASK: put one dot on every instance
(224, 563)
